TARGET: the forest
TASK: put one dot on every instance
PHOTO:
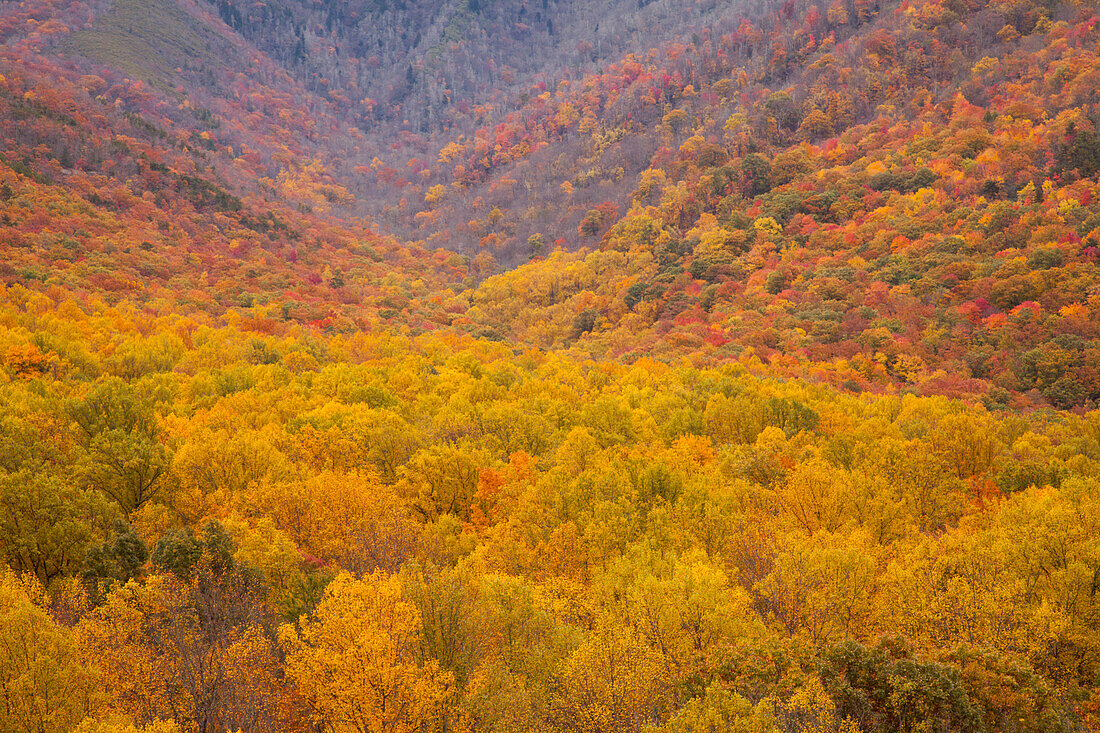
(501, 366)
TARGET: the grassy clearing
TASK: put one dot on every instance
(150, 40)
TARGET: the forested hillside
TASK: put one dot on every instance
(505, 540)
(576, 367)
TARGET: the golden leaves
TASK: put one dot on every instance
(353, 660)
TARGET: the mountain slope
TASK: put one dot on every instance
(737, 374)
(868, 224)
(907, 212)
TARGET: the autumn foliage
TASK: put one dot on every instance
(744, 383)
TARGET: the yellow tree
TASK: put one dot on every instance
(90, 725)
(823, 586)
(720, 709)
(684, 607)
(808, 710)
(355, 664)
(348, 519)
(43, 686)
(614, 681)
(443, 479)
